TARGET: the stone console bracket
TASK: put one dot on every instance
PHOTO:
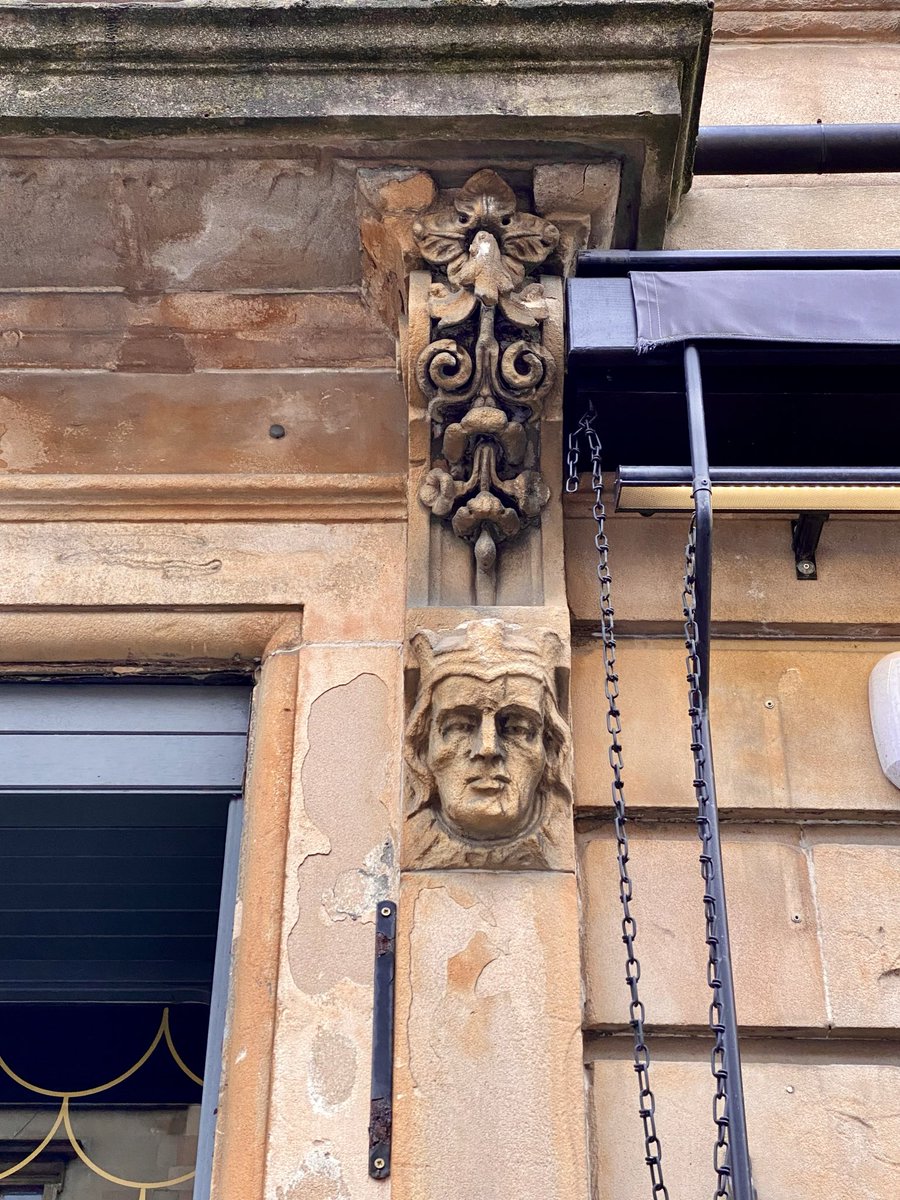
(484, 371)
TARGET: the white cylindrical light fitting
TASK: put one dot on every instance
(884, 706)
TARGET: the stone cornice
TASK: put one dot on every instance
(620, 78)
(121, 37)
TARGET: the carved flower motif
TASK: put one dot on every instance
(486, 247)
(439, 491)
(486, 508)
(529, 491)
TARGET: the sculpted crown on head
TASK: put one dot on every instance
(487, 750)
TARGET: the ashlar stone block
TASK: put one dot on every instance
(790, 724)
(489, 1077)
(771, 915)
(817, 1128)
(858, 894)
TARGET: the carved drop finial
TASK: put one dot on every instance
(488, 751)
(485, 372)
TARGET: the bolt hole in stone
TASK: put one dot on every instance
(769, 703)
(796, 918)
(276, 431)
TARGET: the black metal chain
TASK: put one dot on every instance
(721, 1153)
(637, 1014)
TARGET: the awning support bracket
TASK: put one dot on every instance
(805, 534)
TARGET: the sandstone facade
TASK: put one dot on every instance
(214, 448)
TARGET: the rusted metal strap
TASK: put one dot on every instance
(381, 1110)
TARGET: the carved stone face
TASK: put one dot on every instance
(486, 752)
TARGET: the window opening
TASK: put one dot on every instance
(120, 822)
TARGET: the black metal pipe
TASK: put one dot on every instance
(738, 1146)
(618, 263)
(796, 149)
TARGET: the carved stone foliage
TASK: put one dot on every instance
(485, 371)
(488, 751)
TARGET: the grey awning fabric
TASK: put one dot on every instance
(833, 307)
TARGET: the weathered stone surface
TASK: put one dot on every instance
(756, 587)
(188, 331)
(465, 75)
(771, 914)
(777, 214)
(806, 21)
(344, 576)
(783, 718)
(154, 223)
(489, 1081)
(488, 752)
(340, 863)
(588, 188)
(216, 497)
(840, 83)
(390, 200)
(858, 894)
(819, 1125)
(56, 422)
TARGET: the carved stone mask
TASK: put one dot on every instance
(487, 750)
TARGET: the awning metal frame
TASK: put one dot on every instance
(701, 492)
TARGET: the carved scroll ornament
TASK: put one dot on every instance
(485, 371)
(488, 752)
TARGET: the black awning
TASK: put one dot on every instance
(800, 352)
(651, 301)
(860, 308)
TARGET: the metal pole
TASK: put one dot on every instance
(738, 1149)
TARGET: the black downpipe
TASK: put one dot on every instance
(796, 149)
(739, 1152)
(617, 263)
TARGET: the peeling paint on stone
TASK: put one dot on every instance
(319, 1178)
(356, 892)
(332, 1071)
(345, 779)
